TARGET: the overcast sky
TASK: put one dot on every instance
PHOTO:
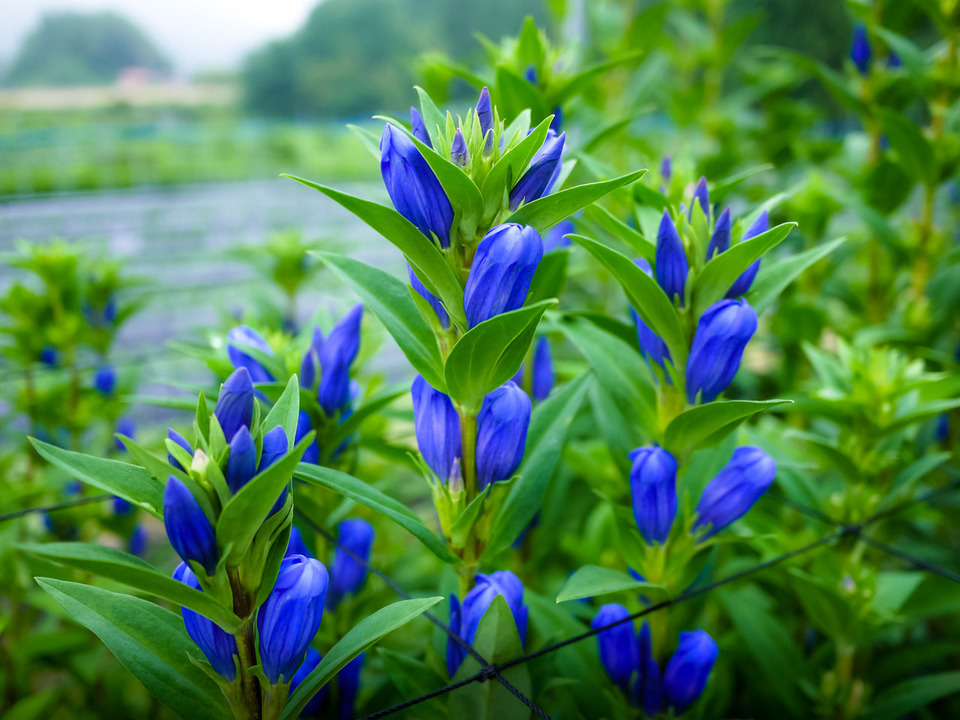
(195, 34)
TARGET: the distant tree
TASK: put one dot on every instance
(353, 57)
(70, 48)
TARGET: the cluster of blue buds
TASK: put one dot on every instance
(190, 530)
(465, 618)
(723, 329)
(501, 433)
(330, 359)
(103, 316)
(726, 498)
(473, 144)
(630, 663)
(219, 646)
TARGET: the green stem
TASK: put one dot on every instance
(246, 648)
(468, 440)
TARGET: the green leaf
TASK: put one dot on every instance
(367, 632)
(504, 175)
(777, 659)
(132, 483)
(497, 640)
(550, 276)
(905, 697)
(576, 83)
(390, 300)
(722, 271)
(914, 151)
(285, 412)
(619, 229)
(773, 279)
(644, 294)
(545, 438)
(592, 581)
(131, 570)
(704, 426)
(243, 515)
(490, 354)
(433, 119)
(422, 254)
(368, 496)
(150, 642)
(547, 211)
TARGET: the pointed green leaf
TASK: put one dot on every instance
(704, 426)
(592, 581)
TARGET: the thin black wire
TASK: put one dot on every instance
(487, 669)
(54, 508)
(912, 559)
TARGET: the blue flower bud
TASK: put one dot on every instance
(666, 169)
(860, 51)
(735, 489)
(290, 617)
(120, 506)
(50, 356)
(475, 606)
(455, 651)
(485, 115)
(893, 61)
(530, 74)
(653, 485)
(557, 121)
(309, 664)
(337, 354)
(671, 261)
(304, 425)
(542, 381)
(459, 153)
(217, 645)
(235, 405)
(137, 542)
(542, 172)
(110, 310)
(418, 129)
(350, 560)
(242, 460)
(437, 427)
(688, 670)
(244, 336)
(718, 344)
(720, 239)
(434, 301)
(652, 347)
(555, 237)
(648, 691)
(127, 427)
(700, 195)
(275, 446)
(296, 545)
(188, 528)
(311, 360)
(105, 381)
(742, 284)
(413, 187)
(501, 433)
(182, 442)
(618, 647)
(501, 273)
(348, 682)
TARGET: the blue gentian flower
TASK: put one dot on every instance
(742, 284)
(723, 332)
(437, 428)
(542, 172)
(652, 347)
(459, 154)
(485, 118)
(671, 260)
(465, 619)
(720, 239)
(337, 354)
(688, 670)
(735, 489)
(502, 270)
(188, 528)
(105, 380)
(413, 186)
(555, 238)
(309, 664)
(296, 545)
(304, 425)
(653, 487)
(434, 301)
(348, 682)
(501, 433)
(349, 571)
(702, 196)
(860, 51)
(619, 652)
(217, 645)
(290, 617)
(182, 442)
(242, 460)
(418, 129)
(127, 427)
(235, 405)
(137, 542)
(241, 336)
